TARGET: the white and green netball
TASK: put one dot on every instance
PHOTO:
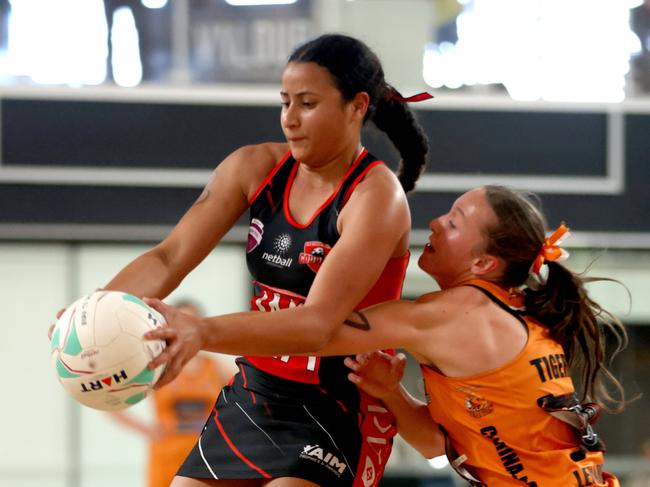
(98, 352)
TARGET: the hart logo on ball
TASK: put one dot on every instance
(98, 351)
(108, 381)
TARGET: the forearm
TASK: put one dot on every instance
(297, 331)
(148, 275)
(415, 424)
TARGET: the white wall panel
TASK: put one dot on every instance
(34, 418)
(111, 454)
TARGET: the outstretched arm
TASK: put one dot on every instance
(160, 270)
(379, 375)
(257, 333)
(423, 327)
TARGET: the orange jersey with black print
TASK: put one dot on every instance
(493, 418)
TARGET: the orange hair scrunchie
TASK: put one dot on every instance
(551, 250)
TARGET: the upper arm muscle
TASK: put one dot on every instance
(222, 202)
(375, 222)
(393, 324)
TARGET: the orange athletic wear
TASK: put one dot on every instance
(493, 418)
(182, 408)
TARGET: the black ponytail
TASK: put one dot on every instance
(354, 69)
(396, 119)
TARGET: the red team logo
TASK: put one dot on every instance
(313, 254)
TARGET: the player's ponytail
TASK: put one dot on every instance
(558, 299)
(395, 118)
(354, 69)
(580, 325)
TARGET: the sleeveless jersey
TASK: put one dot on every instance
(283, 256)
(493, 418)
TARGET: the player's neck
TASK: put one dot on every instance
(331, 172)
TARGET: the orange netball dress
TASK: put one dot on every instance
(182, 408)
(495, 425)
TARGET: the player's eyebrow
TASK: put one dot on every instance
(458, 209)
(301, 93)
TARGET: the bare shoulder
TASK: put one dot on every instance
(250, 164)
(452, 324)
(272, 151)
(449, 304)
(261, 157)
(382, 178)
(380, 194)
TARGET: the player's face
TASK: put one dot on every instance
(318, 124)
(457, 239)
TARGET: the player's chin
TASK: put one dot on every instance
(425, 262)
(298, 154)
(300, 151)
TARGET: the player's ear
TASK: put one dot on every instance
(485, 264)
(360, 104)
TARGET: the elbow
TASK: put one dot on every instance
(430, 451)
(316, 342)
(319, 334)
(431, 444)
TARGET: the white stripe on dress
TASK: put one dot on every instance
(259, 428)
(332, 439)
(204, 459)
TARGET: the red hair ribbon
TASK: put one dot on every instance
(393, 94)
(551, 250)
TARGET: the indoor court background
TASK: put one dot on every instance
(94, 169)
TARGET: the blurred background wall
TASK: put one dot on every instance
(103, 145)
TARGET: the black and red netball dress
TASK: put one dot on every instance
(297, 416)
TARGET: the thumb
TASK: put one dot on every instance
(158, 305)
(398, 362)
(399, 359)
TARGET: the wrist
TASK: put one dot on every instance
(384, 395)
(393, 395)
(203, 326)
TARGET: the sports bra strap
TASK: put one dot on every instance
(512, 300)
